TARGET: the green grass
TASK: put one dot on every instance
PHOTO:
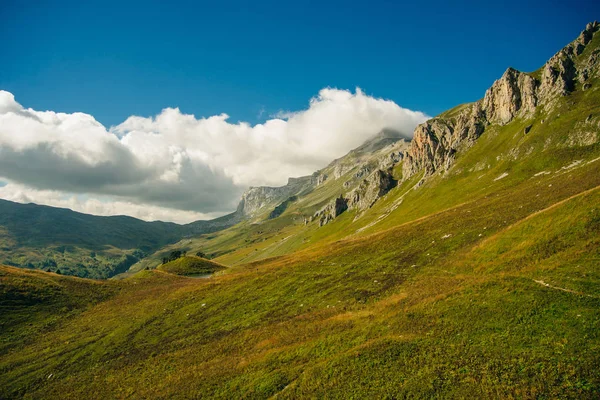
(88, 246)
(190, 265)
(401, 312)
(466, 286)
(34, 302)
(455, 111)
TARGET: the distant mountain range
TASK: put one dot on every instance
(73, 243)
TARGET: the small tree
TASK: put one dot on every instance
(175, 254)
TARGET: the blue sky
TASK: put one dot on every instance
(252, 59)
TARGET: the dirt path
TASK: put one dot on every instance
(562, 289)
(534, 214)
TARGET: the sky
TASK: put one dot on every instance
(170, 110)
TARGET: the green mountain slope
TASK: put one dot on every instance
(465, 302)
(473, 275)
(191, 266)
(84, 245)
(478, 147)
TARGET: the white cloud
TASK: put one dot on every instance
(175, 161)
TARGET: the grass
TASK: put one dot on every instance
(191, 265)
(466, 286)
(399, 312)
(88, 246)
(34, 302)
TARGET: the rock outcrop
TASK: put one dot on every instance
(331, 210)
(563, 71)
(370, 180)
(259, 198)
(370, 190)
(321, 178)
(514, 95)
(361, 198)
(366, 168)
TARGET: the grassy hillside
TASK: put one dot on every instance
(497, 297)
(34, 302)
(56, 239)
(190, 265)
(480, 281)
(504, 156)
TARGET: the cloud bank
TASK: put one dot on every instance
(175, 166)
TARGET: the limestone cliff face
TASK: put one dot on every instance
(370, 181)
(436, 141)
(259, 198)
(429, 147)
(366, 170)
(331, 210)
(563, 71)
(370, 190)
(361, 198)
(514, 95)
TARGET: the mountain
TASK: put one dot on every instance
(524, 121)
(84, 245)
(461, 264)
(56, 239)
(365, 173)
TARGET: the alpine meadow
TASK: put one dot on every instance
(456, 259)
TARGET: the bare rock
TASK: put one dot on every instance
(514, 94)
(331, 210)
(321, 179)
(256, 199)
(370, 190)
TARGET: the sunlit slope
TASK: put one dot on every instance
(503, 156)
(191, 265)
(262, 235)
(497, 297)
(475, 281)
(33, 301)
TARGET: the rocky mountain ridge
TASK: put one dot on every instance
(379, 153)
(515, 95)
(435, 143)
(258, 198)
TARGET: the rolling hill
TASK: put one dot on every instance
(57, 239)
(461, 264)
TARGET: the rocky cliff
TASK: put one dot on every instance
(514, 95)
(371, 180)
(256, 199)
(362, 170)
(367, 170)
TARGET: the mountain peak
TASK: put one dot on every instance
(380, 140)
(515, 94)
(588, 32)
